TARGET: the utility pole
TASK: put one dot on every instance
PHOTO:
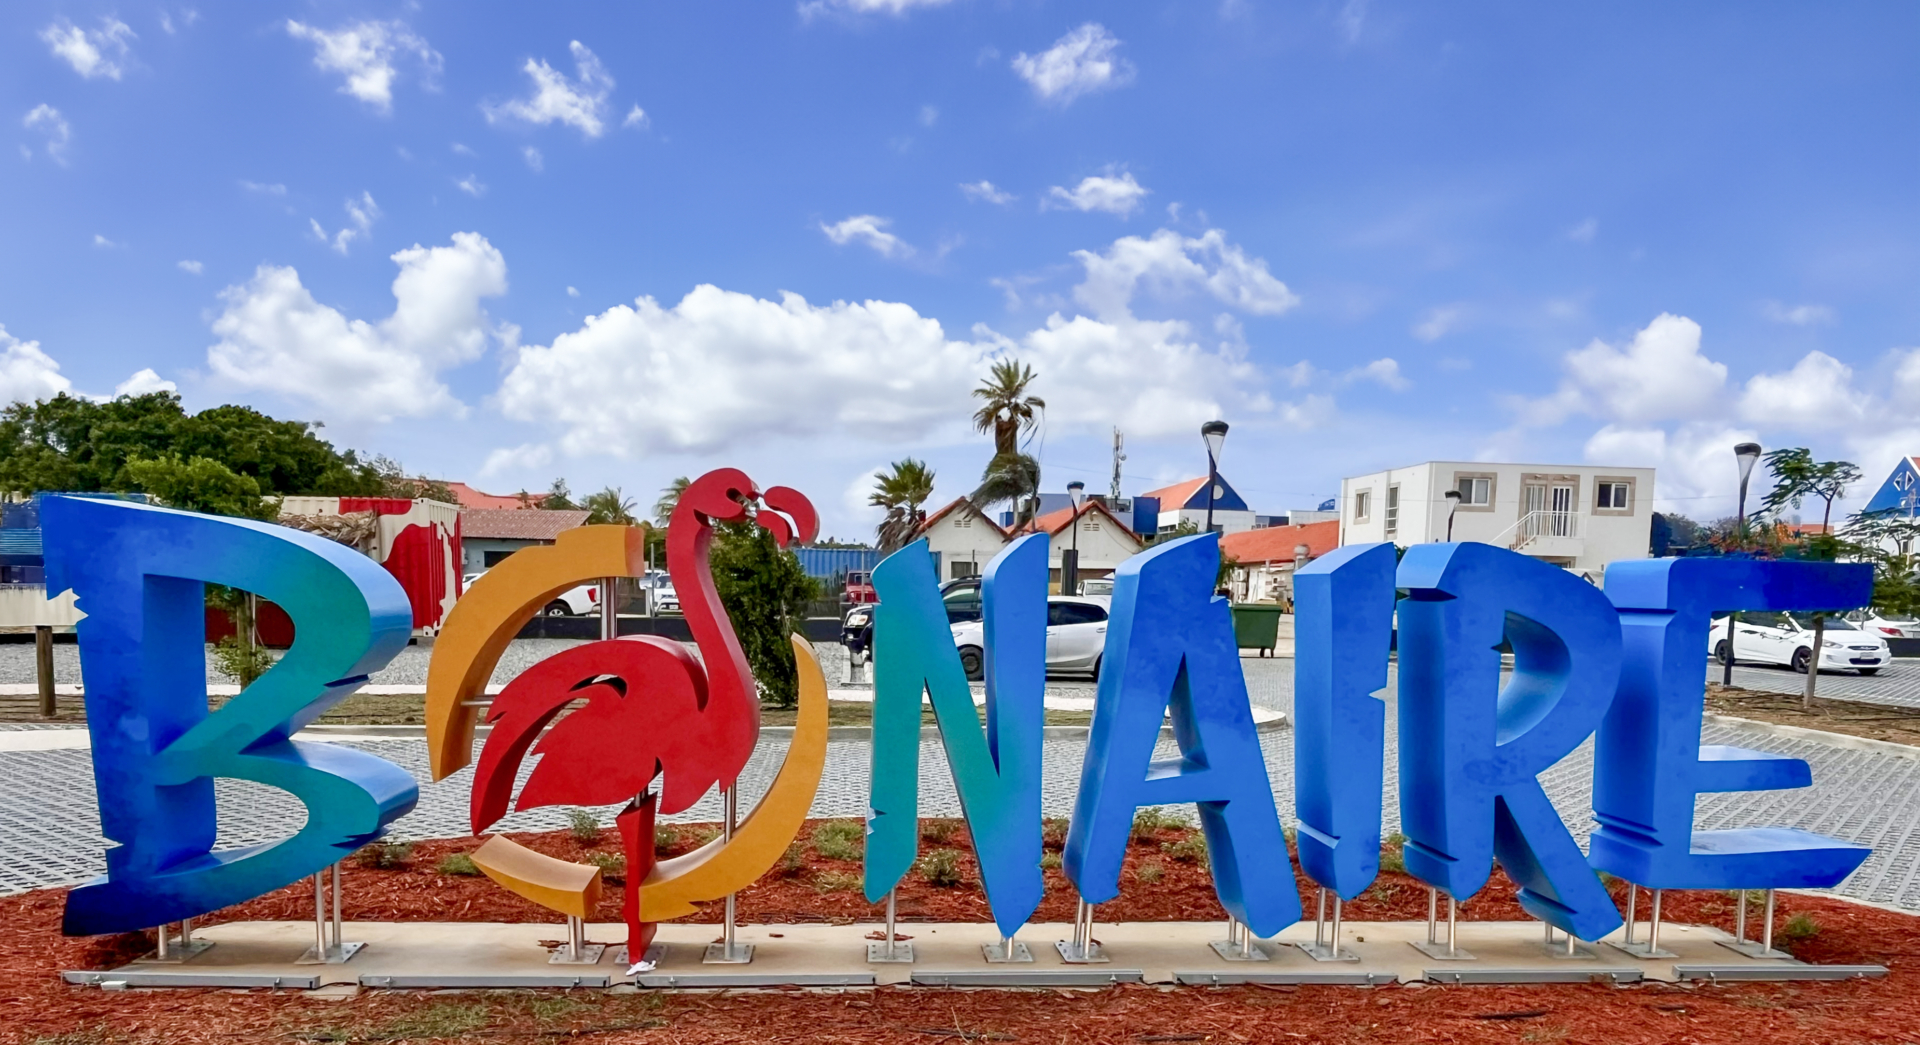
(1119, 455)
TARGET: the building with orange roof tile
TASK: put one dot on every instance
(1266, 558)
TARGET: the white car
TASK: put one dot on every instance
(1076, 637)
(1893, 627)
(578, 601)
(1787, 638)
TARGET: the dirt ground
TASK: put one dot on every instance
(1165, 879)
(1870, 721)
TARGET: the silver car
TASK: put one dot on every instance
(1076, 637)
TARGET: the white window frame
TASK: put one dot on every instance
(1362, 505)
(1391, 516)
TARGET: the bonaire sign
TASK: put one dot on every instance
(653, 728)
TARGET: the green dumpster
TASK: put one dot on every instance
(1256, 626)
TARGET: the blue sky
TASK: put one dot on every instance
(632, 241)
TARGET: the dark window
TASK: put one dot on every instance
(1074, 613)
(495, 558)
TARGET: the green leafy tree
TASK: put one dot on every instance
(559, 498)
(1886, 538)
(668, 500)
(1797, 476)
(395, 482)
(282, 456)
(200, 484)
(903, 491)
(608, 506)
(765, 593)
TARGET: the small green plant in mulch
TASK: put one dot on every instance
(840, 839)
(794, 860)
(1189, 850)
(938, 830)
(1150, 872)
(85, 1036)
(1050, 860)
(941, 868)
(1053, 832)
(584, 826)
(665, 837)
(1291, 834)
(1392, 854)
(1149, 822)
(457, 864)
(1799, 929)
(384, 856)
(613, 866)
(699, 834)
(836, 881)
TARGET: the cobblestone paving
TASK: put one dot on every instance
(1897, 684)
(49, 830)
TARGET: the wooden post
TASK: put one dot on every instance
(1813, 659)
(43, 660)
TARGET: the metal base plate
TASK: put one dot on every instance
(589, 955)
(1438, 952)
(656, 953)
(1639, 949)
(334, 955)
(1068, 953)
(1231, 952)
(1321, 952)
(900, 953)
(717, 954)
(1753, 949)
(1558, 952)
(177, 954)
(996, 955)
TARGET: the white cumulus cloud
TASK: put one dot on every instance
(1385, 371)
(47, 120)
(870, 230)
(1168, 264)
(143, 382)
(636, 117)
(361, 214)
(365, 53)
(26, 373)
(985, 192)
(91, 52)
(1659, 376)
(1079, 63)
(275, 337)
(189, 265)
(579, 102)
(1115, 194)
(1816, 394)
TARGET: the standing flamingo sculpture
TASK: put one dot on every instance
(653, 713)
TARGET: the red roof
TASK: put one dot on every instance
(518, 524)
(1053, 523)
(472, 498)
(1175, 496)
(1276, 543)
(952, 506)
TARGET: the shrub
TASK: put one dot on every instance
(941, 868)
(700, 834)
(836, 882)
(1149, 822)
(794, 860)
(457, 864)
(584, 826)
(1799, 928)
(665, 837)
(1393, 853)
(613, 866)
(1050, 861)
(1189, 850)
(1053, 831)
(939, 831)
(1149, 872)
(840, 839)
(384, 856)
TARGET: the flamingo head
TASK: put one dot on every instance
(726, 495)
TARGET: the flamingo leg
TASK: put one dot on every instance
(635, 824)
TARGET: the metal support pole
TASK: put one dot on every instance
(339, 937)
(1653, 931)
(186, 935)
(729, 950)
(576, 937)
(609, 609)
(43, 664)
(161, 949)
(1453, 923)
(1336, 925)
(319, 916)
(1320, 917)
(1740, 917)
(892, 896)
(726, 835)
(1571, 952)
(1433, 915)
(1766, 931)
(1633, 897)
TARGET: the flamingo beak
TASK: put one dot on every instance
(790, 517)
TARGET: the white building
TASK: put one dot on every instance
(962, 539)
(1577, 516)
(1103, 541)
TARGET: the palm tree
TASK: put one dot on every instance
(669, 500)
(608, 506)
(1009, 410)
(1012, 477)
(903, 492)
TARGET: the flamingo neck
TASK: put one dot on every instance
(728, 678)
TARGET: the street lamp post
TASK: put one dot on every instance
(1070, 562)
(1215, 434)
(1747, 454)
(1453, 502)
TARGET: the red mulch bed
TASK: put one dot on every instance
(35, 1006)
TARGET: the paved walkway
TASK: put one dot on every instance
(1897, 684)
(49, 831)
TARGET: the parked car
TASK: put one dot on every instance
(1097, 586)
(1893, 627)
(1076, 637)
(853, 626)
(574, 602)
(1787, 638)
(962, 598)
(858, 589)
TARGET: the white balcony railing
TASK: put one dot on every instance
(1534, 527)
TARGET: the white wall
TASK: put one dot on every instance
(1104, 544)
(1228, 522)
(977, 541)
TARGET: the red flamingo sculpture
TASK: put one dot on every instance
(653, 712)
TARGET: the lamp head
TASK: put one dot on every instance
(1215, 433)
(1453, 496)
(1748, 454)
(1077, 490)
